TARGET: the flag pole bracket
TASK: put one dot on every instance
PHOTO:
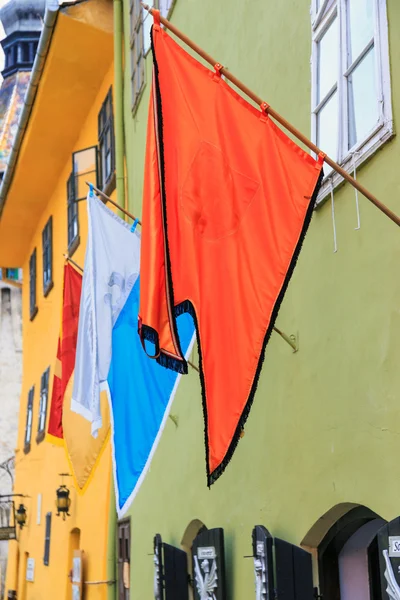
(174, 419)
(292, 339)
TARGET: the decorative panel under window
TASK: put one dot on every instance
(208, 555)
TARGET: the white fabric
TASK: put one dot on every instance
(112, 264)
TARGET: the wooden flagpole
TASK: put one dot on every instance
(108, 199)
(265, 106)
(73, 263)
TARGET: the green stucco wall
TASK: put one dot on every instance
(325, 425)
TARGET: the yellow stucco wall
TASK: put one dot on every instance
(37, 473)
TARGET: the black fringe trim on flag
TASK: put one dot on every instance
(148, 333)
(187, 306)
(173, 363)
(212, 477)
(169, 362)
(165, 360)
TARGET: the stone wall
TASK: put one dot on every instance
(10, 385)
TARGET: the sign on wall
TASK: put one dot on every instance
(30, 569)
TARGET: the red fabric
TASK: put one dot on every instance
(66, 350)
(227, 201)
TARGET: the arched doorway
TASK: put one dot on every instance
(74, 544)
(344, 542)
(191, 531)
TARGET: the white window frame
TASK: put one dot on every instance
(351, 159)
(165, 7)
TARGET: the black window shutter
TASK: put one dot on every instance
(294, 577)
(388, 550)
(124, 554)
(46, 558)
(50, 251)
(32, 284)
(208, 555)
(176, 583)
(263, 557)
(112, 133)
(171, 580)
(47, 244)
(158, 568)
(28, 425)
(106, 147)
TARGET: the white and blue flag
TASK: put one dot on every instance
(112, 264)
(110, 355)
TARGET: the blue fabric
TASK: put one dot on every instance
(140, 392)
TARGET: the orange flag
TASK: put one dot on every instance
(228, 198)
(65, 427)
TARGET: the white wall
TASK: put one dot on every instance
(10, 387)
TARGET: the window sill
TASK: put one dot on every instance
(40, 436)
(34, 313)
(27, 448)
(74, 246)
(48, 289)
(357, 157)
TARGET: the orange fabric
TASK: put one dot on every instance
(66, 347)
(227, 201)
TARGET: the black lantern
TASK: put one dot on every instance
(20, 516)
(63, 501)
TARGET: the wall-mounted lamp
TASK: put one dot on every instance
(7, 508)
(63, 501)
(20, 516)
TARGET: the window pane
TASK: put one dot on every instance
(43, 413)
(328, 52)
(327, 7)
(108, 165)
(327, 129)
(29, 426)
(360, 26)
(147, 23)
(84, 170)
(363, 99)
